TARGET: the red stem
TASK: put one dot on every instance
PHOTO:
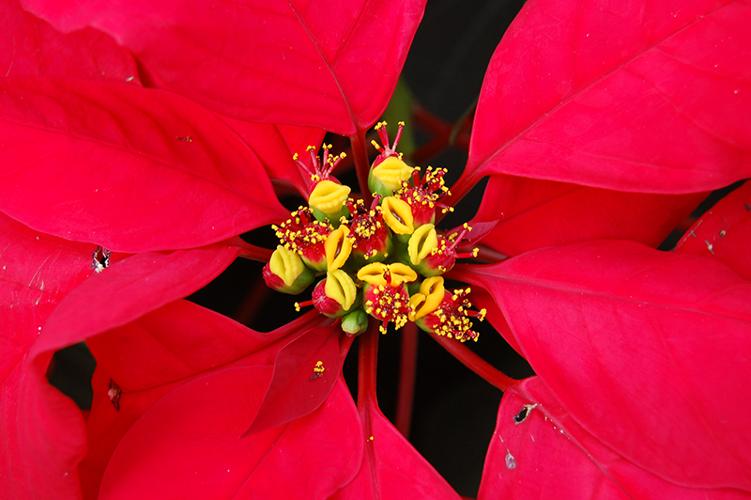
(475, 363)
(253, 252)
(407, 372)
(367, 403)
(252, 302)
(362, 162)
(367, 367)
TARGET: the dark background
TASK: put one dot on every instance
(454, 410)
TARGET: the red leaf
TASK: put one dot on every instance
(635, 96)
(190, 445)
(31, 47)
(275, 145)
(124, 167)
(539, 451)
(42, 429)
(724, 232)
(326, 64)
(296, 388)
(168, 348)
(390, 467)
(130, 288)
(654, 341)
(533, 213)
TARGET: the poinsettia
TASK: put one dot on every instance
(595, 128)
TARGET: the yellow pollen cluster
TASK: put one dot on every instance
(367, 227)
(389, 303)
(455, 320)
(433, 187)
(295, 233)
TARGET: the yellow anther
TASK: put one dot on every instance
(422, 243)
(398, 215)
(286, 264)
(391, 172)
(329, 197)
(401, 273)
(338, 247)
(432, 285)
(430, 297)
(374, 274)
(340, 287)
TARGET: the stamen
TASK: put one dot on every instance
(319, 169)
(305, 303)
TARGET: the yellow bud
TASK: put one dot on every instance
(398, 215)
(338, 246)
(340, 287)
(328, 197)
(391, 172)
(422, 242)
(374, 273)
(286, 264)
(430, 297)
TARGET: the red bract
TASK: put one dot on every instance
(637, 318)
(183, 345)
(538, 450)
(48, 281)
(323, 64)
(163, 146)
(724, 232)
(636, 97)
(36, 272)
(530, 213)
(618, 117)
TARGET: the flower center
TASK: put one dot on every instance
(383, 260)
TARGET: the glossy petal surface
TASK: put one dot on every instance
(390, 467)
(42, 429)
(327, 64)
(541, 452)
(636, 96)
(191, 444)
(31, 47)
(724, 232)
(634, 320)
(534, 213)
(173, 345)
(124, 167)
(130, 288)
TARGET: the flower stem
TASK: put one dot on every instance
(362, 163)
(407, 372)
(253, 301)
(367, 367)
(253, 252)
(475, 363)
